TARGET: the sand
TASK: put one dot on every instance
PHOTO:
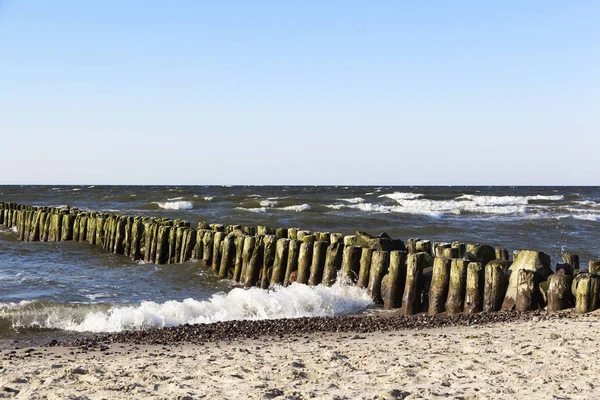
(536, 359)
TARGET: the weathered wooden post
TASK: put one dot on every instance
(216, 252)
(379, 266)
(440, 280)
(255, 264)
(494, 286)
(83, 227)
(594, 267)
(291, 270)
(411, 299)
(351, 262)
(474, 288)
(248, 249)
(67, 227)
(460, 247)
(318, 263)
(239, 257)
(571, 258)
(189, 242)
(162, 244)
(281, 233)
(120, 224)
(501, 254)
(559, 291)
(526, 290)
(456, 289)
(365, 266)
(280, 262)
(305, 256)
(336, 238)
(523, 259)
(585, 289)
(207, 250)
(228, 257)
(269, 247)
(392, 285)
(137, 232)
(333, 262)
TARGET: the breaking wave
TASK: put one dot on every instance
(175, 205)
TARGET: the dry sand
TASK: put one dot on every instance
(548, 359)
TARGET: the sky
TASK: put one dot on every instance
(300, 92)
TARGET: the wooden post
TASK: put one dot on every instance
(216, 253)
(585, 289)
(318, 263)
(280, 262)
(460, 247)
(305, 255)
(380, 261)
(291, 270)
(559, 291)
(269, 247)
(440, 280)
(351, 262)
(594, 266)
(248, 249)
(162, 244)
(67, 227)
(494, 286)
(207, 249)
(457, 286)
(501, 254)
(137, 232)
(526, 290)
(474, 288)
(333, 262)
(255, 264)
(411, 300)
(239, 259)
(228, 257)
(365, 266)
(571, 258)
(392, 285)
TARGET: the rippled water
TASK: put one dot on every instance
(69, 285)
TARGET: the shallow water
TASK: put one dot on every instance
(77, 287)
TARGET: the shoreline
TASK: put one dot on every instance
(528, 357)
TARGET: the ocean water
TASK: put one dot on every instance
(57, 288)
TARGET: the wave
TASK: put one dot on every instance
(296, 208)
(294, 301)
(507, 200)
(587, 217)
(354, 200)
(255, 210)
(269, 203)
(175, 198)
(401, 196)
(175, 205)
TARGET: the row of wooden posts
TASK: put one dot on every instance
(415, 276)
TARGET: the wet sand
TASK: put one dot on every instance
(538, 358)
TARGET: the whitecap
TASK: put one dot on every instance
(175, 205)
(402, 196)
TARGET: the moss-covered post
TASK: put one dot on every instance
(594, 267)
(585, 289)
(216, 252)
(460, 247)
(392, 285)
(494, 286)
(474, 288)
(526, 291)
(305, 255)
(333, 262)
(280, 262)
(120, 225)
(189, 242)
(365, 266)
(67, 227)
(380, 261)
(501, 254)
(248, 249)
(318, 263)
(207, 251)
(457, 286)
(239, 251)
(255, 264)
(559, 291)
(292, 262)
(83, 227)
(440, 280)
(137, 232)
(571, 258)
(198, 252)
(411, 300)
(281, 233)
(269, 245)
(228, 256)
(351, 263)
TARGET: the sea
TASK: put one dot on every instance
(73, 288)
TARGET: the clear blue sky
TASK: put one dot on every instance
(306, 92)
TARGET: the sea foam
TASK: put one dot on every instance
(294, 301)
(175, 205)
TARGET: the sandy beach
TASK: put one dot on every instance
(537, 359)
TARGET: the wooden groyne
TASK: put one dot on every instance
(416, 276)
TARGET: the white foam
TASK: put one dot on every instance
(354, 200)
(294, 301)
(94, 296)
(208, 198)
(297, 208)
(506, 200)
(175, 205)
(255, 210)
(588, 217)
(175, 198)
(402, 196)
(14, 229)
(269, 203)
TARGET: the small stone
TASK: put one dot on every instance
(554, 336)
(273, 393)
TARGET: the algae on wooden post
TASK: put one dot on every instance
(571, 258)
(411, 299)
(162, 244)
(594, 267)
(526, 290)
(280, 262)
(559, 291)
(255, 264)
(494, 286)
(239, 248)
(333, 262)
(351, 262)
(228, 256)
(380, 261)
(269, 245)
(317, 264)
(207, 250)
(457, 286)
(440, 280)
(585, 289)
(304, 261)
(292, 262)
(216, 253)
(247, 250)
(365, 266)
(523, 259)
(392, 285)
(474, 288)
